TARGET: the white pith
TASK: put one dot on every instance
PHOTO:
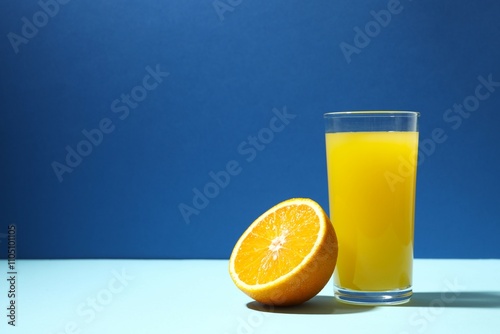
(277, 243)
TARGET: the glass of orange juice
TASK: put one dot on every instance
(372, 167)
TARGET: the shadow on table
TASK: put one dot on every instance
(316, 305)
(329, 305)
(483, 299)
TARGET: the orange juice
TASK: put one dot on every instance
(371, 182)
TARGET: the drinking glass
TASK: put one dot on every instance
(372, 168)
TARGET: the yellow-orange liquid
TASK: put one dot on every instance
(371, 182)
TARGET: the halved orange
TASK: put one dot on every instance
(287, 255)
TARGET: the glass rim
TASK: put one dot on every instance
(372, 113)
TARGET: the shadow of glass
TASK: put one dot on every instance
(483, 299)
(316, 305)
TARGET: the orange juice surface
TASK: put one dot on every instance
(371, 182)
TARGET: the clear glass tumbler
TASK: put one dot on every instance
(372, 168)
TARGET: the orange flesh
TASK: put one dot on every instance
(277, 245)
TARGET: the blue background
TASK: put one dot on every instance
(227, 72)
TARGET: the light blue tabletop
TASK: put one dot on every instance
(198, 296)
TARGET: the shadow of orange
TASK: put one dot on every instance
(316, 305)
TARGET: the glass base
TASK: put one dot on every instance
(373, 298)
